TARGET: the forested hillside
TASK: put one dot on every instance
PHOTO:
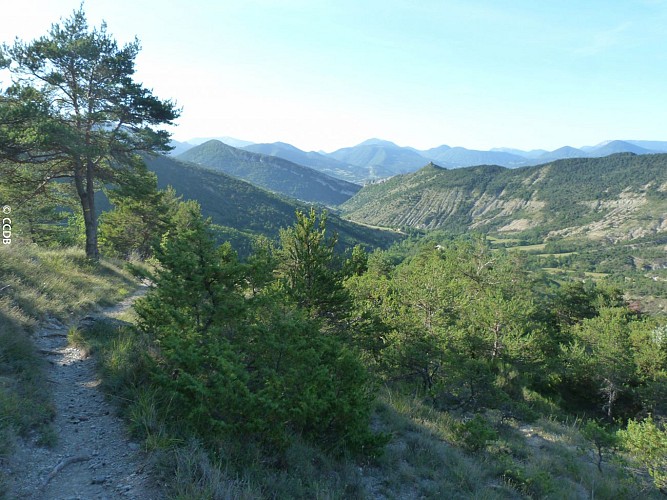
(311, 159)
(622, 196)
(272, 173)
(244, 211)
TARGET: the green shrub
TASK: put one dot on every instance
(601, 438)
(233, 364)
(535, 485)
(474, 434)
(648, 443)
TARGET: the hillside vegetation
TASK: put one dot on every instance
(272, 173)
(467, 410)
(618, 197)
(495, 381)
(317, 161)
(244, 211)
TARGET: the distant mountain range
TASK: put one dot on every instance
(181, 147)
(458, 157)
(617, 197)
(375, 158)
(230, 141)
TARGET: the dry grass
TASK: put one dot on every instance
(544, 459)
(57, 283)
(37, 285)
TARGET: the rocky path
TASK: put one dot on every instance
(93, 458)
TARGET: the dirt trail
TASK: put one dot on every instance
(94, 458)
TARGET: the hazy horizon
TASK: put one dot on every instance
(201, 139)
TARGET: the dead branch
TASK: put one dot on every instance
(62, 464)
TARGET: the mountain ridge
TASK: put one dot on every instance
(245, 210)
(316, 161)
(376, 158)
(613, 147)
(272, 173)
(623, 196)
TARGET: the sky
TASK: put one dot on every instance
(322, 75)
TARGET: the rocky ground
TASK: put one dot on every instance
(93, 457)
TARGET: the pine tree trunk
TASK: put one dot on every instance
(92, 252)
(87, 198)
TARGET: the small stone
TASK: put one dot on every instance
(99, 480)
(133, 446)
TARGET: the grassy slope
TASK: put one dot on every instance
(38, 285)
(548, 458)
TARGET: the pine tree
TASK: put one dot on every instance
(74, 112)
(193, 313)
(306, 269)
(140, 217)
(601, 355)
(239, 357)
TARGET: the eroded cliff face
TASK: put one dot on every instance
(592, 203)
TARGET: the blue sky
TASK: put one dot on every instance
(329, 74)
